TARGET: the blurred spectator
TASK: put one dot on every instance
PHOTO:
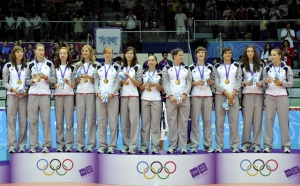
(190, 25)
(91, 23)
(232, 25)
(298, 39)
(116, 5)
(19, 32)
(146, 25)
(99, 15)
(274, 13)
(190, 6)
(145, 64)
(129, 5)
(118, 22)
(79, 4)
(250, 11)
(27, 28)
(210, 5)
(54, 51)
(165, 61)
(215, 13)
(263, 30)
(180, 22)
(284, 7)
(226, 13)
(130, 18)
(36, 26)
(57, 4)
(215, 60)
(169, 21)
(262, 11)
(2, 63)
(287, 53)
(21, 44)
(2, 27)
(155, 20)
(139, 10)
(288, 34)
(74, 53)
(10, 25)
(5, 50)
(64, 26)
(241, 13)
(78, 23)
(266, 54)
(175, 4)
(47, 31)
(50, 9)
(30, 53)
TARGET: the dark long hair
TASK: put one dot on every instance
(256, 60)
(57, 62)
(13, 57)
(134, 60)
(269, 50)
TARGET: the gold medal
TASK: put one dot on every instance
(127, 82)
(227, 81)
(105, 80)
(38, 79)
(149, 89)
(19, 82)
(85, 80)
(177, 82)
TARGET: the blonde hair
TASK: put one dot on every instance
(92, 53)
(108, 48)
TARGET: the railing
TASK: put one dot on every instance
(242, 29)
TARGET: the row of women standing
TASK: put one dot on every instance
(180, 83)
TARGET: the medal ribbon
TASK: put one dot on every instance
(201, 73)
(152, 73)
(29, 55)
(277, 70)
(86, 71)
(177, 72)
(63, 73)
(227, 72)
(106, 71)
(39, 70)
(19, 72)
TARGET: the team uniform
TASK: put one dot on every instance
(16, 106)
(86, 107)
(151, 112)
(39, 99)
(276, 99)
(252, 108)
(130, 110)
(106, 81)
(64, 107)
(177, 114)
(235, 79)
(201, 101)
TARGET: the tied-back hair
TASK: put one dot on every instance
(256, 60)
(134, 60)
(13, 58)
(176, 51)
(156, 66)
(92, 55)
(200, 48)
(57, 62)
(226, 49)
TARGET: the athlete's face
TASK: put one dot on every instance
(63, 54)
(19, 55)
(250, 52)
(179, 57)
(200, 55)
(275, 57)
(129, 55)
(152, 61)
(85, 53)
(108, 55)
(40, 51)
(227, 55)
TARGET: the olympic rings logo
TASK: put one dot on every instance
(156, 168)
(43, 165)
(258, 166)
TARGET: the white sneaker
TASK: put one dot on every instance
(78, 150)
(155, 151)
(124, 151)
(286, 150)
(100, 151)
(68, 149)
(235, 150)
(45, 150)
(11, 151)
(183, 151)
(219, 150)
(256, 150)
(32, 150)
(170, 151)
(210, 150)
(21, 150)
(110, 151)
(60, 149)
(244, 149)
(193, 150)
(267, 150)
(89, 150)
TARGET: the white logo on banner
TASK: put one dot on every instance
(107, 37)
